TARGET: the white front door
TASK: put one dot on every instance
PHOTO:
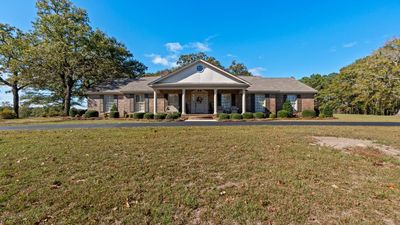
(199, 102)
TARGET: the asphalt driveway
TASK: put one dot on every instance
(197, 123)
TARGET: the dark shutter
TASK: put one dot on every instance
(233, 98)
(253, 102)
(218, 99)
(180, 102)
(284, 98)
(146, 102)
(166, 97)
(299, 106)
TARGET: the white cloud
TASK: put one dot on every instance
(174, 46)
(257, 71)
(201, 46)
(350, 44)
(231, 55)
(168, 61)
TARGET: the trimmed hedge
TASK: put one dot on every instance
(148, 116)
(114, 114)
(236, 116)
(283, 114)
(258, 115)
(308, 113)
(173, 116)
(91, 113)
(137, 115)
(73, 112)
(223, 116)
(160, 116)
(272, 115)
(248, 115)
(327, 111)
(81, 112)
(7, 114)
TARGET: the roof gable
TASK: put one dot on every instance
(201, 73)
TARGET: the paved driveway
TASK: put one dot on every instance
(200, 123)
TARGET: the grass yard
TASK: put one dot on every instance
(189, 175)
(366, 118)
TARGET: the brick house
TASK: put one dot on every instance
(200, 88)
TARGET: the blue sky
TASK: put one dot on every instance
(273, 38)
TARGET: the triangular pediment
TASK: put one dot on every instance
(201, 73)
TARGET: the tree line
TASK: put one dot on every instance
(370, 85)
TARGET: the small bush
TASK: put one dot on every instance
(73, 112)
(81, 112)
(272, 115)
(91, 113)
(327, 111)
(283, 114)
(322, 115)
(258, 115)
(160, 116)
(114, 114)
(114, 108)
(223, 116)
(148, 116)
(308, 113)
(137, 115)
(287, 106)
(247, 115)
(7, 114)
(173, 116)
(236, 116)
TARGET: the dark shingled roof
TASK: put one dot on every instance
(257, 84)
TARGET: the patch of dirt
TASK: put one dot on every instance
(358, 146)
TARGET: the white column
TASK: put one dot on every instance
(215, 101)
(183, 102)
(155, 102)
(243, 101)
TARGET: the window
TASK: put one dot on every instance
(259, 101)
(108, 102)
(226, 101)
(173, 101)
(140, 104)
(293, 101)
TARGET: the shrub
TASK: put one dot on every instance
(327, 111)
(148, 116)
(7, 113)
(174, 115)
(114, 108)
(160, 116)
(81, 112)
(258, 115)
(247, 115)
(223, 116)
(114, 114)
(73, 112)
(236, 116)
(283, 114)
(91, 113)
(308, 113)
(287, 106)
(272, 115)
(322, 115)
(137, 115)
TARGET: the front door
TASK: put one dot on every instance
(199, 102)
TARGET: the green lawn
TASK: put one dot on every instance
(366, 118)
(190, 175)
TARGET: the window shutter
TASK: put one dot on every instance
(233, 100)
(219, 99)
(116, 100)
(132, 102)
(253, 102)
(146, 102)
(299, 106)
(101, 103)
(284, 98)
(180, 102)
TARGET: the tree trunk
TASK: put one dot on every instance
(68, 96)
(15, 92)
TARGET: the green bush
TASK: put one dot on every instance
(114, 114)
(223, 116)
(247, 115)
(322, 115)
(91, 113)
(148, 116)
(73, 112)
(81, 112)
(287, 106)
(7, 113)
(308, 113)
(283, 114)
(258, 115)
(272, 115)
(160, 116)
(327, 111)
(174, 115)
(114, 108)
(138, 115)
(236, 116)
